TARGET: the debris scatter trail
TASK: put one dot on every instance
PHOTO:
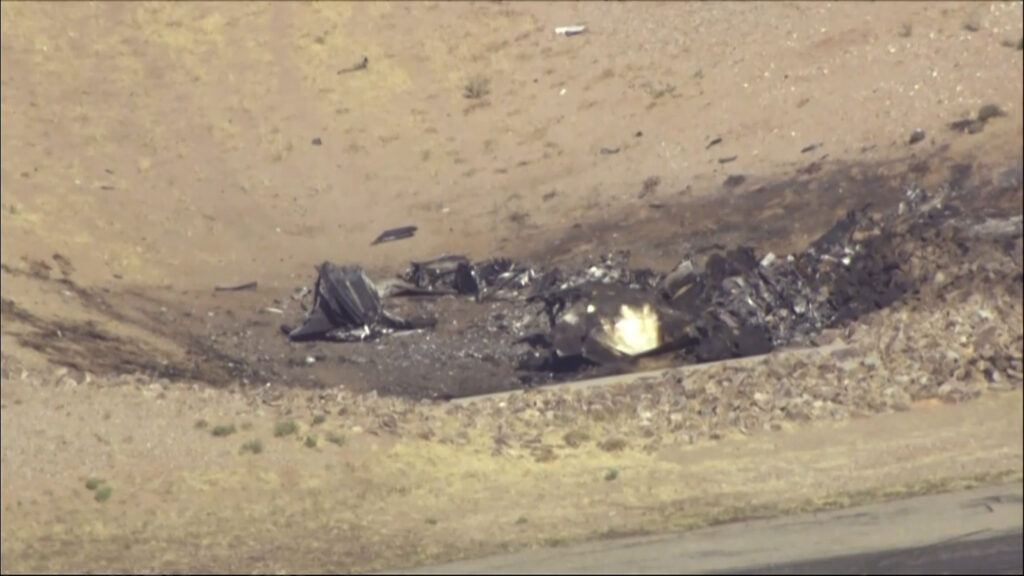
(553, 325)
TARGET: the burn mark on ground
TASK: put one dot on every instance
(477, 346)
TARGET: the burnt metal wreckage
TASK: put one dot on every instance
(733, 304)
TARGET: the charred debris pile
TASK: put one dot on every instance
(734, 303)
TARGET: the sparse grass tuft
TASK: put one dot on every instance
(611, 475)
(254, 446)
(222, 430)
(310, 441)
(202, 424)
(336, 438)
(319, 419)
(100, 489)
(477, 87)
(103, 493)
(286, 428)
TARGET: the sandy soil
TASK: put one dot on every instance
(153, 151)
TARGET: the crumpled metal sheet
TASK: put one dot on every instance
(453, 274)
(347, 307)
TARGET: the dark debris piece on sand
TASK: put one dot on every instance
(395, 234)
(347, 307)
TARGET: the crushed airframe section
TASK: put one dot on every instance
(731, 303)
(347, 308)
(494, 278)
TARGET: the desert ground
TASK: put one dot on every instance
(153, 151)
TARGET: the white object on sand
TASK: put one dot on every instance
(569, 30)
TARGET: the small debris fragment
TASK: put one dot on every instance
(609, 151)
(714, 142)
(727, 159)
(989, 111)
(361, 65)
(570, 30)
(235, 287)
(300, 293)
(734, 180)
(395, 234)
(811, 147)
(916, 136)
(317, 141)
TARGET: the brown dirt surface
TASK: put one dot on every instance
(152, 151)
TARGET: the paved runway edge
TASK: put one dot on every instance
(976, 531)
(999, 554)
